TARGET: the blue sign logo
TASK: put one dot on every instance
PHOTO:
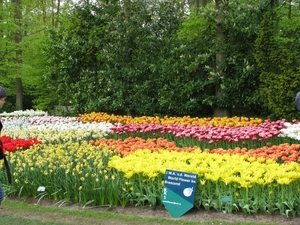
(179, 192)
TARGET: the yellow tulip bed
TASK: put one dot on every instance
(125, 160)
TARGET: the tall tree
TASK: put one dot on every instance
(7, 50)
(221, 7)
(225, 54)
(19, 43)
(18, 40)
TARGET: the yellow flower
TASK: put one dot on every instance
(251, 159)
(202, 182)
(129, 174)
(284, 180)
(261, 160)
(260, 181)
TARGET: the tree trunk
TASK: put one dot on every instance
(220, 59)
(290, 9)
(19, 94)
(53, 14)
(198, 3)
(18, 39)
(1, 19)
(127, 10)
(57, 13)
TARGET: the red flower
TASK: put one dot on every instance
(12, 145)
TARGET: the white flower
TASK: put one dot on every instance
(291, 131)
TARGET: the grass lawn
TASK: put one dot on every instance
(15, 212)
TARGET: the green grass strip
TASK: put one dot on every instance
(19, 212)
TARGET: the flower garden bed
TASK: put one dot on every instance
(101, 159)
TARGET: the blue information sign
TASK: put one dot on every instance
(179, 192)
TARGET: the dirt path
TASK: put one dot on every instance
(159, 212)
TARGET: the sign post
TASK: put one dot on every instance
(179, 192)
(226, 199)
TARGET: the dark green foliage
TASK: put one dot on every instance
(74, 56)
(137, 65)
(240, 70)
(239, 73)
(156, 60)
(278, 57)
(105, 62)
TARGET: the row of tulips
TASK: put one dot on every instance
(167, 120)
(83, 159)
(12, 145)
(252, 184)
(283, 153)
(207, 136)
(130, 145)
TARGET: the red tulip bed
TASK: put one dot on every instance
(102, 159)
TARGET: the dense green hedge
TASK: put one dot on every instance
(157, 59)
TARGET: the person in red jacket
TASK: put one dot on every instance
(2, 102)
